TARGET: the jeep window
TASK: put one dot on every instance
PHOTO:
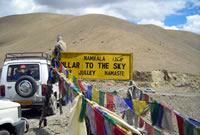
(16, 71)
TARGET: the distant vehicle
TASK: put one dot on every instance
(10, 119)
(149, 90)
(24, 80)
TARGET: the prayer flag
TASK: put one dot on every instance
(95, 95)
(109, 99)
(67, 73)
(120, 104)
(160, 116)
(89, 93)
(129, 116)
(188, 127)
(194, 122)
(141, 122)
(75, 82)
(167, 120)
(149, 129)
(74, 120)
(129, 103)
(99, 121)
(198, 130)
(146, 98)
(80, 85)
(101, 98)
(118, 131)
(157, 132)
(139, 106)
(124, 130)
(85, 86)
(83, 109)
(180, 124)
(91, 116)
(154, 109)
(67, 95)
(108, 126)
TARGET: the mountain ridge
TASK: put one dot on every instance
(153, 47)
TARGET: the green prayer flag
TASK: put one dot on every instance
(157, 132)
(101, 98)
(113, 92)
(75, 82)
(198, 131)
(188, 128)
(154, 109)
(110, 120)
(83, 109)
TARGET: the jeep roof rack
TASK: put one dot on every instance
(27, 55)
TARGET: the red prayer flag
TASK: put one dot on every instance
(149, 129)
(61, 67)
(180, 124)
(141, 122)
(99, 120)
(80, 85)
(118, 131)
(146, 98)
(110, 103)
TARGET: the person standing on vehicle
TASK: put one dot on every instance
(56, 54)
(60, 46)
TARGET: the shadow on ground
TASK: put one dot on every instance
(31, 114)
(40, 131)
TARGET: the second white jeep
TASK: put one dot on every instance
(11, 121)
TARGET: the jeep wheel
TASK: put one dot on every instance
(26, 86)
(4, 132)
(52, 105)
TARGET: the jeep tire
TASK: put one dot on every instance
(26, 86)
(52, 105)
(4, 132)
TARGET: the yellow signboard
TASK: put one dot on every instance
(89, 65)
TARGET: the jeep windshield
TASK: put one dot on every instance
(17, 71)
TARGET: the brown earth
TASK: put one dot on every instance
(165, 60)
(153, 47)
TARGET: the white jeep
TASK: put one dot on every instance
(11, 121)
(24, 80)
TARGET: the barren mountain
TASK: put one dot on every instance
(153, 47)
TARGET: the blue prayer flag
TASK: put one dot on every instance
(128, 102)
(89, 93)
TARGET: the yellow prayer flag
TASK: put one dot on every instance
(95, 95)
(75, 127)
(128, 132)
(71, 77)
(139, 106)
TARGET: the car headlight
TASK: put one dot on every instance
(19, 111)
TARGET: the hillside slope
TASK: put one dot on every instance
(153, 47)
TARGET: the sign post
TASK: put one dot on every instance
(93, 65)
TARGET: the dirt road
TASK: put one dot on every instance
(56, 124)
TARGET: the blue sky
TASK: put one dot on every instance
(168, 14)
